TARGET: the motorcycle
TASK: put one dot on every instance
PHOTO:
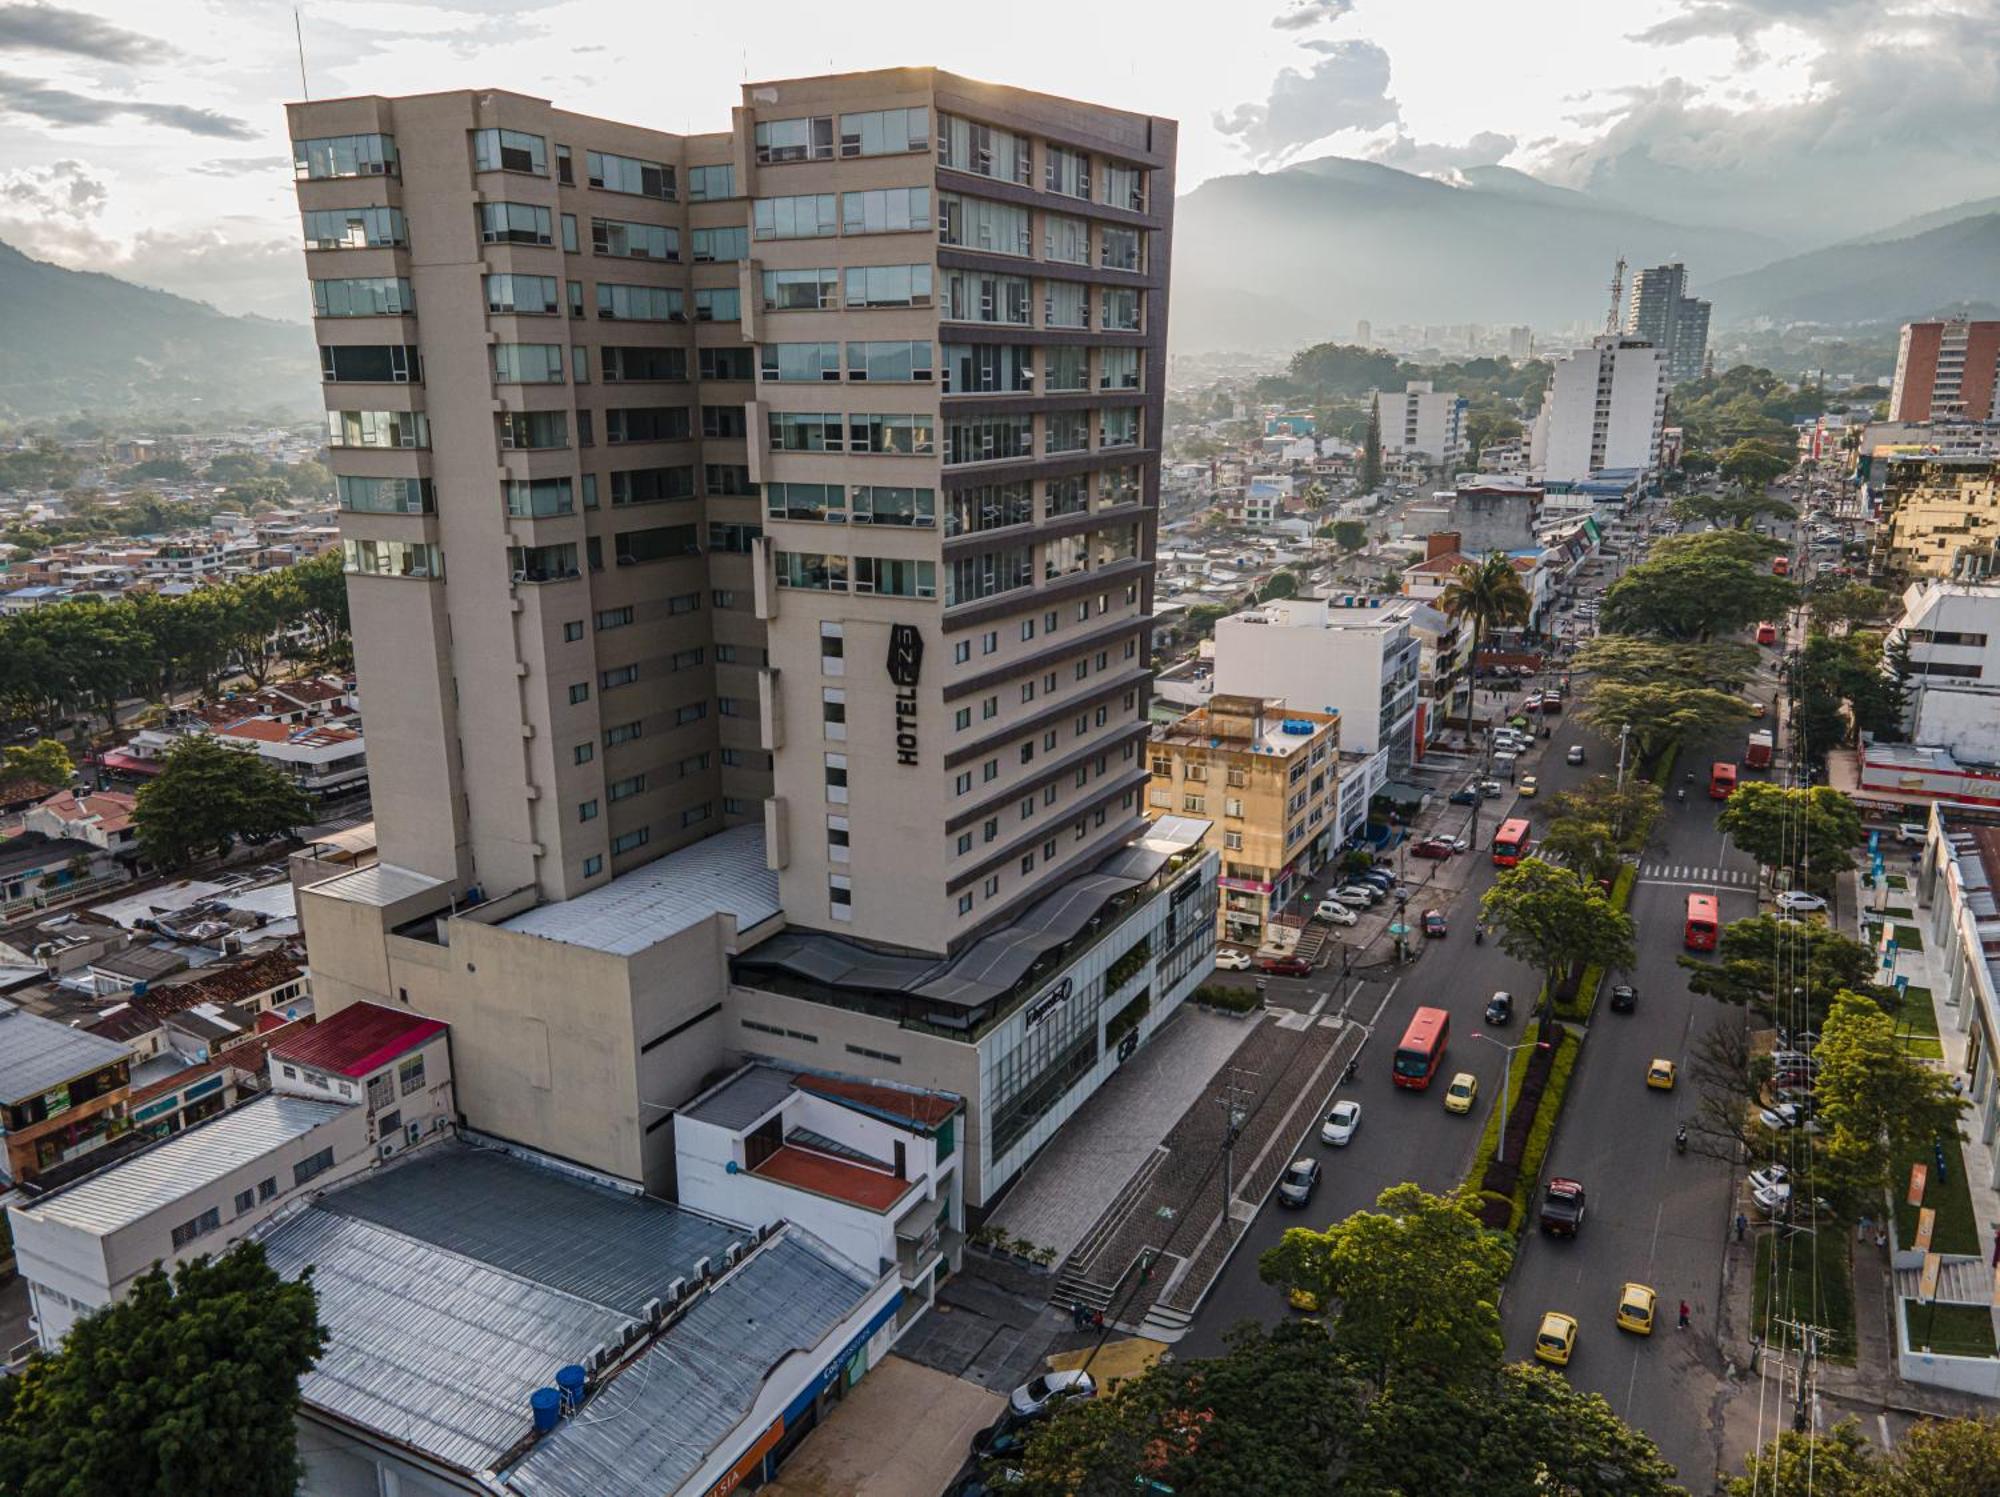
(1681, 795)
(1681, 1139)
(1479, 935)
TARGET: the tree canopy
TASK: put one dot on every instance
(1719, 665)
(1491, 594)
(1690, 593)
(1597, 825)
(1554, 919)
(44, 762)
(1754, 463)
(179, 1388)
(1933, 1458)
(1660, 714)
(1747, 965)
(1875, 1101)
(1733, 511)
(207, 797)
(1809, 832)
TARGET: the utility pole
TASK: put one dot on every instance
(1624, 731)
(1234, 1099)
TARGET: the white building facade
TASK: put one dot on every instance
(1953, 696)
(1423, 425)
(1605, 408)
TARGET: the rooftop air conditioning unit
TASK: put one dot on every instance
(654, 1312)
(701, 1268)
(676, 1290)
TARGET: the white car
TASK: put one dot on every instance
(1780, 1116)
(1231, 960)
(1772, 1176)
(1039, 1394)
(1338, 1129)
(1333, 912)
(1772, 1199)
(1797, 901)
(1911, 831)
(1361, 896)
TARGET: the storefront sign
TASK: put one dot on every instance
(1047, 1004)
(751, 1461)
(906, 664)
(830, 1374)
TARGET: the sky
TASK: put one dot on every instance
(147, 137)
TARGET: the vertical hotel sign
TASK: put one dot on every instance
(906, 664)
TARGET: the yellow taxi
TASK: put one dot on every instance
(1459, 1096)
(1303, 1299)
(1636, 1303)
(1660, 1075)
(1529, 786)
(1555, 1342)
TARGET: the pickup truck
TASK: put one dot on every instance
(1562, 1207)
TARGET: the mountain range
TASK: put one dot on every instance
(1282, 259)
(75, 341)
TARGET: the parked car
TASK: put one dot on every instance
(1492, 789)
(1468, 796)
(1432, 847)
(1770, 1175)
(1231, 959)
(1040, 1394)
(1624, 998)
(1782, 1116)
(1911, 831)
(1284, 966)
(1575, 754)
(1381, 877)
(1434, 925)
(1338, 1129)
(1333, 912)
(1362, 896)
(1500, 1008)
(1797, 901)
(1297, 1183)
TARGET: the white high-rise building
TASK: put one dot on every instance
(1423, 425)
(1604, 409)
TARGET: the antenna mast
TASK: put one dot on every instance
(1611, 319)
(299, 35)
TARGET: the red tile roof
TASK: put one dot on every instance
(925, 1109)
(229, 984)
(359, 1039)
(113, 808)
(824, 1175)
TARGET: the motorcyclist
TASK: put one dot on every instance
(1681, 1139)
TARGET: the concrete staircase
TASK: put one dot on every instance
(1961, 1281)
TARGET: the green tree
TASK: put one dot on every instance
(1588, 846)
(1350, 535)
(1279, 585)
(1698, 463)
(179, 1388)
(237, 467)
(1659, 715)
(1597, 825)
(1747, 967)
(1688, 594)
(1490, 593)
(1555, 920)
(1719, 665)
(1754, 464)
(1417, 1280)
(1737, 511)
(1947, 1458)
(1808, 831)
(44, 762)
(1876, 1102)
(208, 797)
(1371, 449)
(1839, 603)
(1838, 1463)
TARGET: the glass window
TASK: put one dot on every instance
(1118, 368)
(565, 166)
(1120, 248)
(808, 217)
(897, 436)
(528, 431)
(1068, 172)
(509, 151)
(800, 290)
(725, 421)
(977, 223)
(726, 364)
(630, 841)
(885, 132)
(988, 368)
(632, 241)
(354, 228)
(378, 429)
(1066, 496)
(345, 156)
(1125, 187)
(885, 210)
(708, 184)
(896, 362)
(970, 147)
(384, 496)
(662, 543)
(1066, 304)
(718, 304)
(800, 431)
(569, 240)
(651, 485)
(1067, 239)
(727, 478)
(623, 303)
(538, 498)
(895, 579)
(1118, 428)
(810, 362)
(514, 223)
(666, 423)
(365, 296)
(970, 578)
(826, 502)
(989, 439)
(719, 246)
(1066, 369)
(391, 559)
(542, 563)
(808, 139)
(1067, 431)
(522, 295)
(370, 363)
(811, 571)
(626, 365)
(884, 286)
(1121, 310)
(876, 504)
(989, 506)
(977, 296)
(527, 363)
(648, 179)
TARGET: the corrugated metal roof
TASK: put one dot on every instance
(654, 1425)
(426, 1346)
(37, 1054)
(723, 874)
(169, 1171)
(603, 1245)
(743, 1098)
(377, 884)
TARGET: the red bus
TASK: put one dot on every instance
(1422, 1050)
(1781, 566)
(1767, 634)
(1511, 842)
(1721, 780)
(1703, 920)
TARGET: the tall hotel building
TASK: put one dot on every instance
(750, 541)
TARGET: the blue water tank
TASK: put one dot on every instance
(1298, 727)
(570, 1381)
(547, 1404)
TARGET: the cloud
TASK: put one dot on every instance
(58, 106)
(1347, 89)
(1305, 14)
(63, 190)
(50, 28)
(1487, 148)
(243, 166)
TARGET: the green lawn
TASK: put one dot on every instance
(1896, 909)
(1916, 1021)
(1799, 1278)
(1957, 1231)
(1950, 1330)
(1897, 881)
(1909, 938)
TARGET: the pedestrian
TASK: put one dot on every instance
(1076, 1314)
(1996, 1246)
(1741, 1223)
(1881, 1237)
(1097, 1320)
(1685, 1312)
(1861, 1231)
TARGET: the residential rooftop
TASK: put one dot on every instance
(361, 1038)
(1250, 725)
(38, 1055)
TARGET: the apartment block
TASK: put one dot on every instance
(1662, 313)
(776, 504)
(1934, 516)
(1270, 775)
(1605, 409)
(1946, 371)
(1423, 425)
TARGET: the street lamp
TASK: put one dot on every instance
(1507, 1075)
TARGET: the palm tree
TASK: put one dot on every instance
(1489, 592)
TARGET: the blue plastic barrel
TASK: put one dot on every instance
(570, 1381)
(547, 1404)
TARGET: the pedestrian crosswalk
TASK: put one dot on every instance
(1685, 873)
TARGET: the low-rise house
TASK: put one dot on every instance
(102, 818)
(63, 1093)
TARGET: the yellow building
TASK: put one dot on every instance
(1267, 780)
(1940, 517)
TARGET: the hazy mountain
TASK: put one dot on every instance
(1953, 266)
(1924, 222)
(74, 340)
(1287, 258)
